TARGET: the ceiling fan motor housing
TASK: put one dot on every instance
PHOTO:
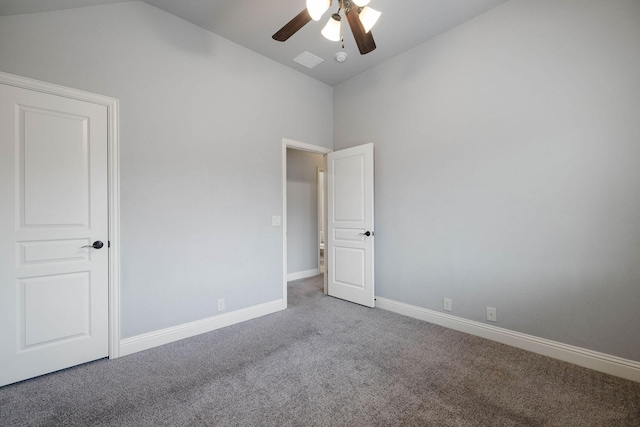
(347, 5)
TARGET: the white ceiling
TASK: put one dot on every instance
(251, 23)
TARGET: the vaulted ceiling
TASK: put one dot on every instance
(251, 23)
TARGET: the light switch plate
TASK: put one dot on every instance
(276, 221)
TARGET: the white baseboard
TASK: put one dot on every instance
(602, 362)
(187, 330)
(302, 274)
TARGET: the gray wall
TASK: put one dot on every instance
(508, 170)
(302, 210)
(202, 122)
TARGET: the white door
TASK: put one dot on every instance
(53, 207)
(350, 224)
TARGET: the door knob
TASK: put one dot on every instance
(96, 245)
(366, 233)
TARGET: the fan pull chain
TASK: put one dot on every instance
(341, 32)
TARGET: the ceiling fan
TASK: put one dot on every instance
(360, 17)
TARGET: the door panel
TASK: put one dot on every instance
(44, 322)
(349, 177)
(53, 201)
(348, 266)
(350, 215)
(53, 193)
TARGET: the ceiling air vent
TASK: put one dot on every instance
(307, 59)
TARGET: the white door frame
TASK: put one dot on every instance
(320, 197)
(113, 182)
(318, 149)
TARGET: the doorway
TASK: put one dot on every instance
(349, 234)
(304, 155)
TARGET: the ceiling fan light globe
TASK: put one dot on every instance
(331, 31)
(317, 8)
(361, 3)
(369, 17)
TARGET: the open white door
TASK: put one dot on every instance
(350, 224)
(53, 233)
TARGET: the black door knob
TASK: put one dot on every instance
(96, 245)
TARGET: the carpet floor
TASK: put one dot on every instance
(325, 362)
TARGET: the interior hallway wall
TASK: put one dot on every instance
(302, 210)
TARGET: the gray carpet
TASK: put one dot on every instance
(325, 362)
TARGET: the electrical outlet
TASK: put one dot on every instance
(446, 304)
(492, 314)
(221, 304)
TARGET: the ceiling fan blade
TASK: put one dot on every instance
(292, 26)
(364, 40)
